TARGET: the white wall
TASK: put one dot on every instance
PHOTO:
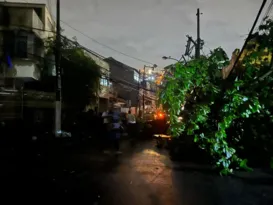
(24, 69)
(50, 25)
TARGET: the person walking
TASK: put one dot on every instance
(131, 119)
(131, 124)
(107, 128)
(116, 132)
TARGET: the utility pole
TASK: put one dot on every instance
(144, 84)
(138, 97)
(58, 103)
(189, 48)
(198, 43)
(143, 96)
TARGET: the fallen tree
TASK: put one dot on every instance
(228, 118)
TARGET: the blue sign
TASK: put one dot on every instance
(9, 61)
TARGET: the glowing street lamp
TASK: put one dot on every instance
(171, 58)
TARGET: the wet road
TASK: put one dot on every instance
(147, 176)
(142, 176)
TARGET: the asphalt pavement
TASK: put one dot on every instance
(142, 175)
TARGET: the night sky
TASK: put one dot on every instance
(149, 29)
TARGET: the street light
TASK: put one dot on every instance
(171, 58)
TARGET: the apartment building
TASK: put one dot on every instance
(24, 29)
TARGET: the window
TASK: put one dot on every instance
(136, 76)
(21, 47)
(103, 82)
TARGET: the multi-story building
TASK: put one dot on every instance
(125, 82)
(106, 91)
(24, 28)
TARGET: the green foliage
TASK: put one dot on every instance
(80, 79)
(214, 110)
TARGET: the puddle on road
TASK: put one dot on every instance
(152, 152)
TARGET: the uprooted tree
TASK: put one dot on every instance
(226, 112)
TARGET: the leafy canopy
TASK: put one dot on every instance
(214, 110)
(80, 77)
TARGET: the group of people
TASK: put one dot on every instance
(113, 128)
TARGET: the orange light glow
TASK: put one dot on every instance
(159, 115)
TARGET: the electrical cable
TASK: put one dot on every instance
(124, 81)
(249, 35)
(76, 44)
(106, 46)
(116, 80)
(88, 50)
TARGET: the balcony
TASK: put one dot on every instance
(22, 69)
(25, 18)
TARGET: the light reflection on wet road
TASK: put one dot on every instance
(148, 177)
(142, 176)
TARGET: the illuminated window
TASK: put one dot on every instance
(136, 76)
(103, 82)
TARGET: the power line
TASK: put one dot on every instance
(116, 80)
(106, 46)
(249, 35)
(72, 41)
(76, 44)
(82, 47)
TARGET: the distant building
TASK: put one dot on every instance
(125, 82)
(105, 92)
(24, 27)
(151, 89)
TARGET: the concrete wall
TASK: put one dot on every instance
(50, 24)
(25, 18)
(24, 15)
(22, 69)
(26, 69)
